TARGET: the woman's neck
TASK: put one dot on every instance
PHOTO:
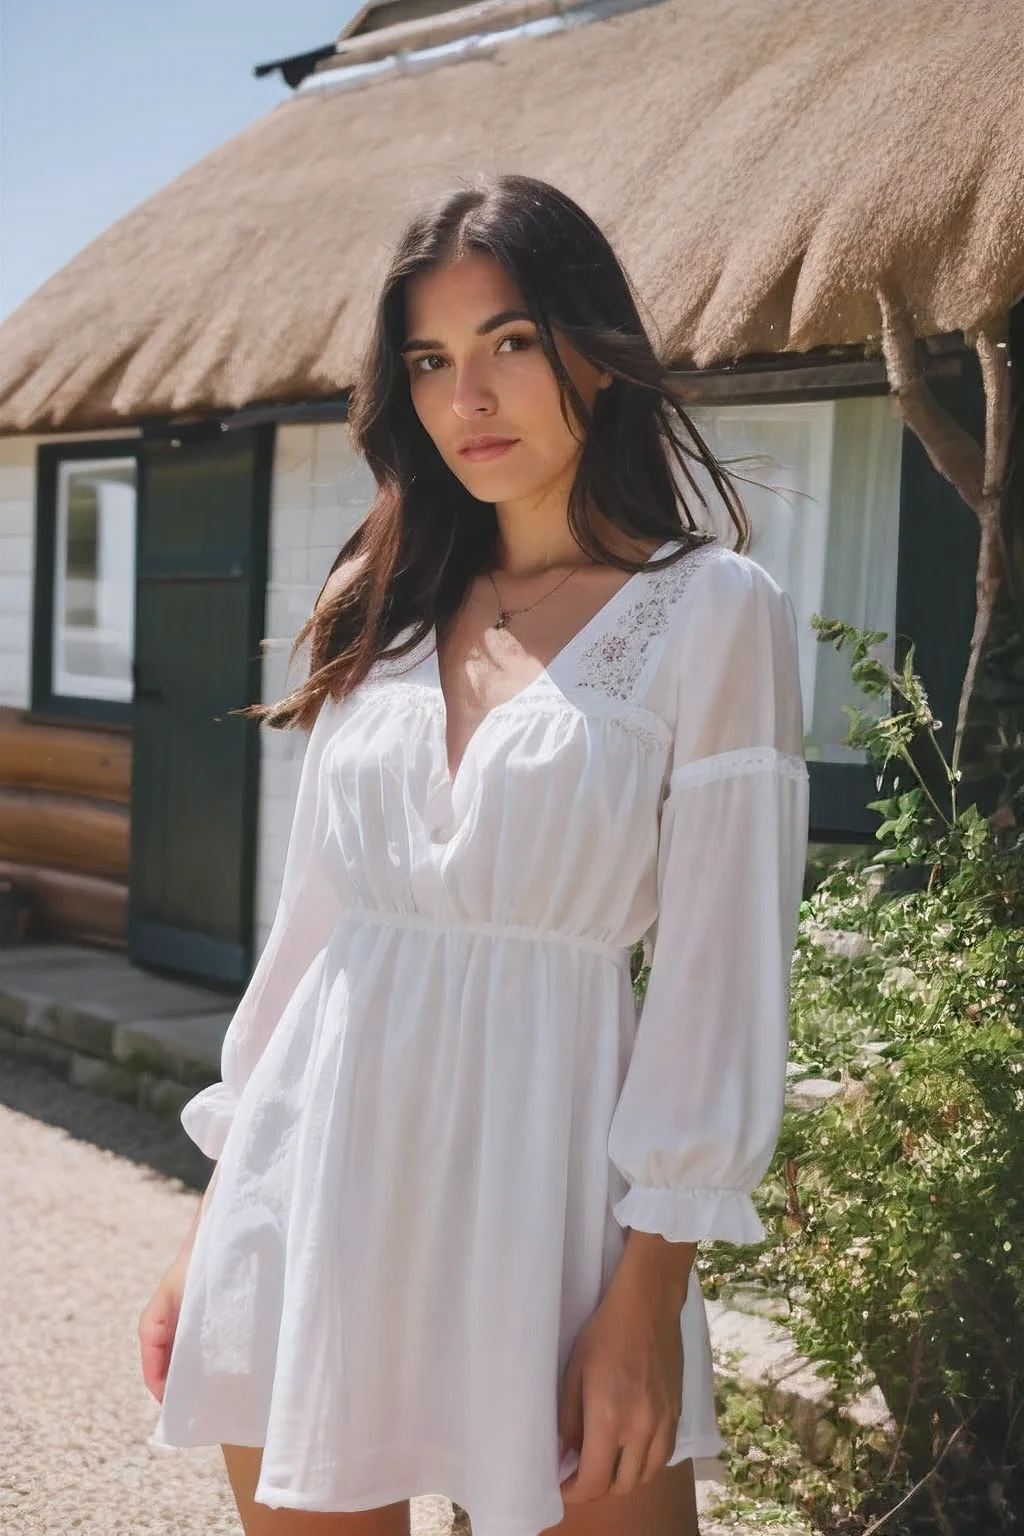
(534, 537)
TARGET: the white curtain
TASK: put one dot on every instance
(820, 481)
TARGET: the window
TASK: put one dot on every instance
(820, 481)
(85, 580)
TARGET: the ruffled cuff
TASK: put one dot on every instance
(691, 1215)
(207, 1118)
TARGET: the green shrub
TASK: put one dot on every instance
(896, 1213)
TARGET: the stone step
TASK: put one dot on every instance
(109, 1026)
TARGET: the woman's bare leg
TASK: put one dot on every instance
(243, 1464)
(666, 1506)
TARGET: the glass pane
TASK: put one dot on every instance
(820, 481)
(94, 580)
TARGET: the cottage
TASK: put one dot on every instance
(821, 208)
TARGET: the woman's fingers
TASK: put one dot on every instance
(628, 1473)
(156, 1336)
(616, 1458)
(621, 1400)
(596, 1472)
(570, 1407)
(154, 1357)
(660, 1449)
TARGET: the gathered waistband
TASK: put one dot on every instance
(617, 952)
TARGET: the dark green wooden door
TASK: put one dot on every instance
(202, 558)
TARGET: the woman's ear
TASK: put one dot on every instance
(604, 379)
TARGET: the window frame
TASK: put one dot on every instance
(44, 701)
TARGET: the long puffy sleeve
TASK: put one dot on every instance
(305, 914)
(699, 1112)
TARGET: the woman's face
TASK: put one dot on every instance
(482, 386)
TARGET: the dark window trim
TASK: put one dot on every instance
(796, 383)
(274, 413)
(45, 705)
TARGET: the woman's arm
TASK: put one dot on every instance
(657, 1267)
(188, 1241)
(158, 1320)
(306, 912)
(698, 1115)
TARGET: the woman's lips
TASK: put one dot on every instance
(487, 448)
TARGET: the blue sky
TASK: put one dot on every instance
(104, 101)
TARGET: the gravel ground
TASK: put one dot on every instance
(94, 1201)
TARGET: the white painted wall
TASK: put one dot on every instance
(321, 493)
(17, 554)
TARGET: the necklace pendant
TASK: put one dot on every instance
(501, 622)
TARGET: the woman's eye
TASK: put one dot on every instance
(515, 343)
(428, 363)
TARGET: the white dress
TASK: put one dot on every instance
(440, 1104)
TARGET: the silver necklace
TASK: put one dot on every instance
(504, 614)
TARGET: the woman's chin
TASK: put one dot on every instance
(498, 486)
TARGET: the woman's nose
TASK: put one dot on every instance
(471, 397)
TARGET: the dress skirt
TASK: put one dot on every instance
(485, 1068)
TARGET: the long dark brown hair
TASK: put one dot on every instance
(425, 537)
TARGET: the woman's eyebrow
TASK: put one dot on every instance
(502, 318)
(415, 344)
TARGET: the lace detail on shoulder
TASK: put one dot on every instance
(613, 662)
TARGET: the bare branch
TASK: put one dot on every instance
(993, 561)
(987, 582)
(951, 449)
(992, 347)
(878, 1524)
(977, 475)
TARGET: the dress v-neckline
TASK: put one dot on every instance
(544, 676)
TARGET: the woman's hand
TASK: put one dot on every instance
(158, 1322)
(159, 1318)
(622, 1392)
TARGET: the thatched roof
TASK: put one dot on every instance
(761, 164)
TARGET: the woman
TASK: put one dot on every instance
(448, 1243)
